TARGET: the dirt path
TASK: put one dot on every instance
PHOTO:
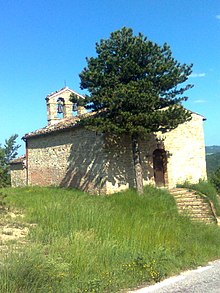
(12, 230)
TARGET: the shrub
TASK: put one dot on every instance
(215, 179)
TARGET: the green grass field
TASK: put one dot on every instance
(84, 243)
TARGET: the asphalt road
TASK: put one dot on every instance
(202, 280)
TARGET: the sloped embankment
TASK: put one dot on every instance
(12, 230)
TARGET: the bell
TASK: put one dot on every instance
(60, 108)
(74, 106)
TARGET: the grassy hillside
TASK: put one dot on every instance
(212, 158)
(83, 243)
(212, 163)
(213, 149)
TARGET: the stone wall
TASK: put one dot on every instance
(71, 158)
(120, 166)
(52, 116)
(185, 157)
(52, 104)
(18, 174)
(186, 146)
(103, 164)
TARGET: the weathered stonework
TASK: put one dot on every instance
(52, 105)
(18, 172)
(65, 154)
(74, 157)
(99, 163)
(186, 147)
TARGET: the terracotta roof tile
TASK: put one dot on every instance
(18, 160)
(63, 124)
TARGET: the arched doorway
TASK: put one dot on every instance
(160, 166)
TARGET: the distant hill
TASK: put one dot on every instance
(212, 158)
(213, 149)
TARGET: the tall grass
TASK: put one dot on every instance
(84, 243)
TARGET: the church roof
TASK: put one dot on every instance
(18, 160)
(64, 89)
(65, 123)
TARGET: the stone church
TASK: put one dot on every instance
(65, 154)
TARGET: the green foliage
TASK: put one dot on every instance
(7, 153)
(212, 163)
(134, 85)
(32, 267)
(215, 179)
(212, 159)
(10, 148)
(84, 243)
(77, 100)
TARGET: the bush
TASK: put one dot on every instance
(215, 179)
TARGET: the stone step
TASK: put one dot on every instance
(196, 212)
(183, 195)
(186, 195)
(193, 207)
(191, 203)
(194, 197)
(197, 215)
(206, 214)
(190, 200)
(201, 206)
(202, 217)
(180, 190)
(206, 220)
(199, 198)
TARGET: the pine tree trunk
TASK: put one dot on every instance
(137, 165)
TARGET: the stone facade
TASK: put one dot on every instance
(18, 172)
(183, 158)
(71, 158)
(76, 157)
(186, 147)
(66, 154)
(61, 97)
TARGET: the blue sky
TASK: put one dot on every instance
(43, 45)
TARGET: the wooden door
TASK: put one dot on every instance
(159, 165)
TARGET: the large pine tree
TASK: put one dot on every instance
(134, 88)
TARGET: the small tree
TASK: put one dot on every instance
(133, 87)
(7, 153)
(215, 179)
